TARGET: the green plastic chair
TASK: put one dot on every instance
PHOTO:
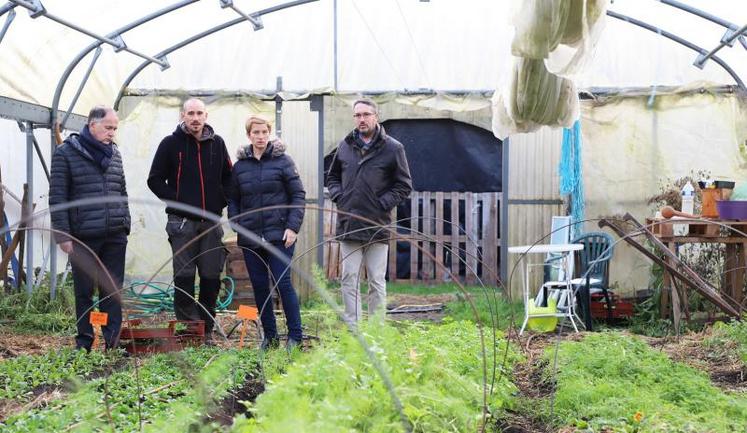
(593, 269)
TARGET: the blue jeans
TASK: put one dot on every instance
(257, 263)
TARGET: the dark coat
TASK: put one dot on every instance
(272, 180)
(369, 184)
(193, 172)
(75, 175)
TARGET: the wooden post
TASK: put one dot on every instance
(439, 237)
(455, 253)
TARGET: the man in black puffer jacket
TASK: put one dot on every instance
(88, 165)
(192, 166)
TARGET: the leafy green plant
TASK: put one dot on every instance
(617, 383)
(20, 375)
(436, 371)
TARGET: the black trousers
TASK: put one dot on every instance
(207, 256)
(88, 274)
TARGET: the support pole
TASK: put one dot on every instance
(279, 108)
(83, 82)
(29, 206)
(504, 211)
(317, 104)
(8, 20)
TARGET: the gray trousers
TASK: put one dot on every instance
(374, 257)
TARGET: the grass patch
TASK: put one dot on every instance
(492, 310)
(616, 382)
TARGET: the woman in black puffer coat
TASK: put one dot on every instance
(265, 176)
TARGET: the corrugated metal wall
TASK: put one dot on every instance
(533, 195)
(299, 132)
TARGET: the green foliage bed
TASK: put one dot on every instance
(436, 371)
(619, 382)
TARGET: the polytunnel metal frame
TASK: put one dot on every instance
(36, 9)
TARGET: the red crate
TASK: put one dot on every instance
(159, 340)
(621, 309)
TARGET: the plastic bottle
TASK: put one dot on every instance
(687, 193)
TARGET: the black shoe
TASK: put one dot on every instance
(291, 344)
(209, 341)
(269, 343)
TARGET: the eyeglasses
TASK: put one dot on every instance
(362, 115)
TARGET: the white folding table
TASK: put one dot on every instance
(564, 250)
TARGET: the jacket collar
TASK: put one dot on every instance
(73, 140)
(274, 149)
(379, 137)
(207, 132)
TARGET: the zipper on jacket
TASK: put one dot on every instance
(261, 200)
(178, 176)
(202, 179)
(106, 194)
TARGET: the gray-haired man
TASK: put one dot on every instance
(368, 178)
(89, 166)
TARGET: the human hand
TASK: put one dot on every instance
(289, 237)
(67, 247)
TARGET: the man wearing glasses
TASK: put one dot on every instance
(369, 177)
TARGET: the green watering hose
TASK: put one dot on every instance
(162, 300)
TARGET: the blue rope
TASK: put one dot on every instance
(571, 176)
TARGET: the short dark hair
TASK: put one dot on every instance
(369, 102)
(98, 113)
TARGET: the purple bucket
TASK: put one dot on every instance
(732, 210)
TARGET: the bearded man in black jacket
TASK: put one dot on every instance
(192, 166)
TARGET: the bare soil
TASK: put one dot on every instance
(12, 345)
(232, 404)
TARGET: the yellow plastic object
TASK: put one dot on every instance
(543, 324)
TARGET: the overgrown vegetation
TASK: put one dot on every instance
(37, 313)
(436, 371)
(729, 339)
(618, 383)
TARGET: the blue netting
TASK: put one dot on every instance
(571, 176)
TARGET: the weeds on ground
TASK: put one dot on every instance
(616, 383)
(37, 313)
(729, 339)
